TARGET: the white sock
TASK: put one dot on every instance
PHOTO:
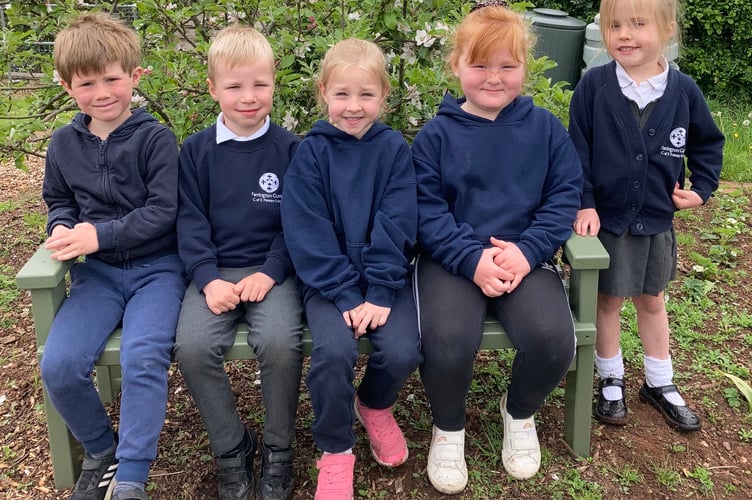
(610, 368)
(346, 452)
(660, 372)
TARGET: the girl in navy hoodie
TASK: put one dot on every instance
(498, 190)
(349, 214)
(637, 124)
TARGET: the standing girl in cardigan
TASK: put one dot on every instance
(635, 122)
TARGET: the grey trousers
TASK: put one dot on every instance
(203, 338)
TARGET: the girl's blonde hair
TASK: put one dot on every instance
(92, 42)
(487, 29)
(348, 53)
(238, 44)
(664, 12)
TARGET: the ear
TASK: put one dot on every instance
(670, 30)
(136, 75)
(212, 89)
(322, 91)
(455, 70)
(67, 87)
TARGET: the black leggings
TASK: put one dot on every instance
(452, 311)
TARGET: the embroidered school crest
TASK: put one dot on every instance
(678, 137)
(269, 182)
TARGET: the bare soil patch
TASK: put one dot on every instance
(185, 468)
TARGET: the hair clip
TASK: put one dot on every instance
(489, 3)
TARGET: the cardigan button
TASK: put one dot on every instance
(639, 157)
(636, 184)
(651, 132)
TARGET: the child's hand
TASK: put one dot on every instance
(685, 198)
(220, 296)
(253, 288)
(587, 222)
(512, 260)
(68, 243)
(490, 278)
(366, 316)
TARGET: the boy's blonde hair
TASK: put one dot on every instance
(665, 13)
(238, 44)
(487, 29)
(348, 53)
(92, 42)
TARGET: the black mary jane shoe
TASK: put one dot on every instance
(611, 412)
(679, 417)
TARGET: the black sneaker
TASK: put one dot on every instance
(236, 473)
(96, 476)
(131, 494)
(277, 481)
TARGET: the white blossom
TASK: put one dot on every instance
(138, 100)
(423, 38)
(289, 121)
(353, 16)
(408, 54)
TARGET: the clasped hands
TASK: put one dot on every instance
(222, 296)
(501, 268)
(366, 316)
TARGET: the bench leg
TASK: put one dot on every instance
(67, 453)
(108, 380)
(578, 402)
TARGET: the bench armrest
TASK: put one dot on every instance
(585, 256)
(45, 279)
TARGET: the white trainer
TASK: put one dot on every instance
(447, 469)
(520, 454)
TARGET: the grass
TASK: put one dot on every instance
(735, 121)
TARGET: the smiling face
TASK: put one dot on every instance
(636, 39)
(354, 99)
(105, 97)
(490, 85)
(245, 93)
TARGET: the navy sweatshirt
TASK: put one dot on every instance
(230, 196)
(350, 213)
(516, 178)
(126, 185)
(630, 172)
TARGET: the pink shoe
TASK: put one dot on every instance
(335, 480)
(388, 444)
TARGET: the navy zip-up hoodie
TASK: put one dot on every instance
(230, 195)
(630, 172)
(349, 213)
(516, 178)
(126, 185)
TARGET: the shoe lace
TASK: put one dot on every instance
(335, 476)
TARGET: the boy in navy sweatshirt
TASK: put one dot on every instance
(230, 238)
(110, 185)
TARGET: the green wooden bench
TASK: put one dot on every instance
(45, 279)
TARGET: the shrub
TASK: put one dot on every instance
(175, 38)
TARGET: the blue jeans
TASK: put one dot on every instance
(144, 295)
(395, 356)
(275, 330)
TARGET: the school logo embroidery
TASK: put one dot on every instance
(269, 184)
(678, 137)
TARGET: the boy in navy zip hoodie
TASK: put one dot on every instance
(110, 186)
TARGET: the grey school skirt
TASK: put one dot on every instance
(639, 264)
